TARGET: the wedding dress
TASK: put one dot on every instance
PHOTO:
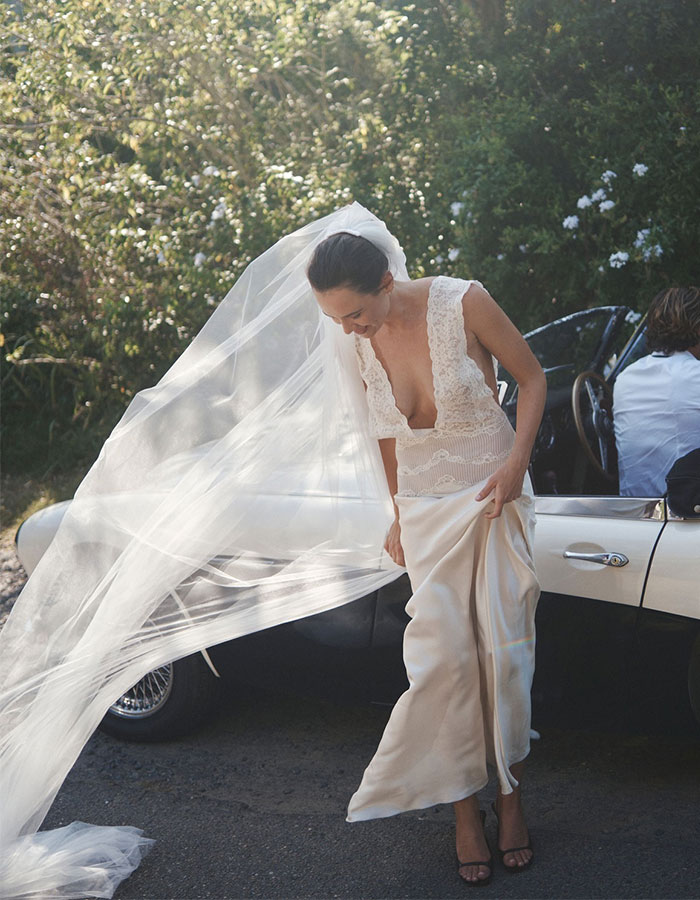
(469, 648)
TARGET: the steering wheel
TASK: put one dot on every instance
(597, 419)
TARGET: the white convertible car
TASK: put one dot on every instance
(620, 575)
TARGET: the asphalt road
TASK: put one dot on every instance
(254, 806)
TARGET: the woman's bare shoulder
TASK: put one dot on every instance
(476, 298)
(422, 286)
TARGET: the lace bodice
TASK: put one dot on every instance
(471, 434)
(465, 403)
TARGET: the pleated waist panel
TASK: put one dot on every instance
(439, 462)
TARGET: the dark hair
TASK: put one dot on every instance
(347, 260)
(673, 320)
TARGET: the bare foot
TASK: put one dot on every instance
(470, 840)
(512, 830)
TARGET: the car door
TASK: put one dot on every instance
(674, 577)
(599, 547)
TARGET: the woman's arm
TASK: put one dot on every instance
(392, 545)
(495, 331)
(387, 447)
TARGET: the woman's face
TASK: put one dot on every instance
(362, 313)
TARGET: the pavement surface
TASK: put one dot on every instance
(254, 806)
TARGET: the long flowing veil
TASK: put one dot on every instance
(243, 490)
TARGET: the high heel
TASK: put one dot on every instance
(517, 867)
(488, 863)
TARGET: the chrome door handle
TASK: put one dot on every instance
(605, 559)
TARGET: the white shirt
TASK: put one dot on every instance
(656, 413)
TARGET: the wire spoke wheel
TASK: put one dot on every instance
(147, 696)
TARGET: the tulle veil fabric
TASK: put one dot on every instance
(243, 490)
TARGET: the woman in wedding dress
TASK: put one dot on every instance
(457, 472)
(197, 524)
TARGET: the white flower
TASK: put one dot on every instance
(598, 195)
(606, 205)
(601, 268)
(195, 180)
(648, 252)
(211, 170)
(642, 236)
(199, 259)
(501, 256)
(452, 254)
(584, 201)
(456, 208)
(640, 169)
(439, 259)
(220, 209)
(522, 248)
(618, 260)
(608, 176)
(569, 222)
(161, 256)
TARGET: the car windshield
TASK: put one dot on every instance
(571, 345)
(572, 341)
(634, 350)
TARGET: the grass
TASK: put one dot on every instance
(41, 467)
(24, 493)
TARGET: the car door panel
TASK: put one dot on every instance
(585, 525)
(674, 579)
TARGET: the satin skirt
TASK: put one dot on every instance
(469, 651)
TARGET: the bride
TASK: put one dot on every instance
(248, 488)
(462, 526)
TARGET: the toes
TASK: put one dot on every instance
(519, 858)
(474, 873)
(467, 873)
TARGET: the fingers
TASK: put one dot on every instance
(498, 502)
(395, 551)
(397, 556)
(486, 489)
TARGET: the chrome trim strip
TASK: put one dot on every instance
(608, 507)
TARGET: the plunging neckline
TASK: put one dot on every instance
(387, 381)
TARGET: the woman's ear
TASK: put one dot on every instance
(387, 282)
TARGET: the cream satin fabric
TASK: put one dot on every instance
(469, 651)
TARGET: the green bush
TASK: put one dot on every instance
(577, 100)
(150, 150)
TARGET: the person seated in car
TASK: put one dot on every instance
(656, 400)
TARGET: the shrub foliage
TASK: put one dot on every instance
(149, 150)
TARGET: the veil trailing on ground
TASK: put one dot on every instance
(243, 490)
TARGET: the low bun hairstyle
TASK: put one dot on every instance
(347, 260)
(673, 320)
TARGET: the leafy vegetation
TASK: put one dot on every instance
(149, 151)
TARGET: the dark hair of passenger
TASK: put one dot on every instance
(349, 261)
(673, 320)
